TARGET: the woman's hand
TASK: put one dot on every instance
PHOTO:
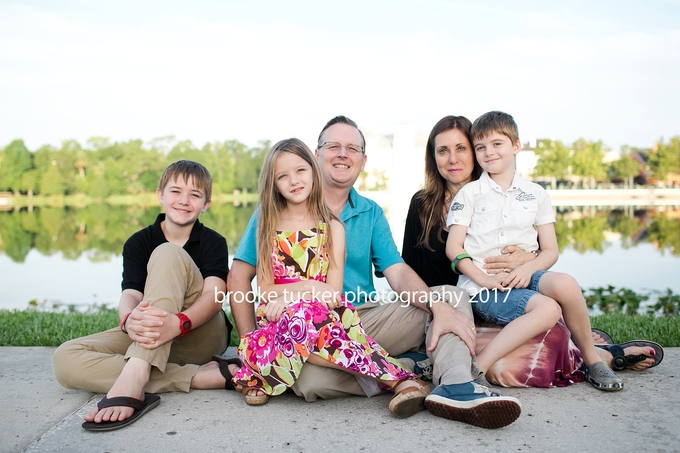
(510, 259)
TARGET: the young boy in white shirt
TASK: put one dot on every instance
(500, 209)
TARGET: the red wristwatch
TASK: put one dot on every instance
(184, 324)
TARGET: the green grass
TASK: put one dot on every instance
(665, 330)
(38, 328)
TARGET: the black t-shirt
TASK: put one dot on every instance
(206, 247)
(433, 267)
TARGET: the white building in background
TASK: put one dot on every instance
(526, 160)
(397, 160)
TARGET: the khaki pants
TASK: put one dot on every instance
(173, 283)
(398, 329)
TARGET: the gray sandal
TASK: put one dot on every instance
(603, 378)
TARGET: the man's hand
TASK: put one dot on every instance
(151, 326)
(447, 319)
(511, 258)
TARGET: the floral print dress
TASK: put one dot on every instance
(273, 354)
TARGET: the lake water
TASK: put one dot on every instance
(624, 248)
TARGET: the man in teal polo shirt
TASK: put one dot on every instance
(399, 327)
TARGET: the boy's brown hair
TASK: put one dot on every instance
(491, 122)
(188, 169)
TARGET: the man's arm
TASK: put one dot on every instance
(446, 319)
(408, 285)
(241, 297)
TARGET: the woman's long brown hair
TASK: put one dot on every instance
(435, 195)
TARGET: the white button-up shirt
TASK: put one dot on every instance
(495, 218)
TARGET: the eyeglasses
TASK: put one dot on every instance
(335, 147)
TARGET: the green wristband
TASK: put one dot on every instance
(455, 261)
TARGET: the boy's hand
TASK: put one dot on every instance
(149, 326)
(496, 282)
(519, 278)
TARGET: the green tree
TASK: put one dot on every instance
(625, 168)
(30, 181)
(553, 159)
(52, 182)
(587, 160)
(66, 158)
(665, 160)
(15, 160)
(248, 165)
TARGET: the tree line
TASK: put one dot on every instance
(102, 168)
(585, 160)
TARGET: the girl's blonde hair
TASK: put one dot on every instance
(272, 203)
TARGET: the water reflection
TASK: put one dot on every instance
(98, 230)
(623, 238)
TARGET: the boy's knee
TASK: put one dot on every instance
(65, 371)
(553, 311)
(550, 310)
(169, 256)
(167, 251)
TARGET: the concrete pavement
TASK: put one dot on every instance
(38, 415)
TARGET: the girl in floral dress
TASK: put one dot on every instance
(302, 315)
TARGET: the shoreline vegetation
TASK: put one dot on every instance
(145, 199)
(44, 328)
(640, 196)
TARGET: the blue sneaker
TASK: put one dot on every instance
(423, 364)
(473, 404)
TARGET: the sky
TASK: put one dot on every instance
(255, 70)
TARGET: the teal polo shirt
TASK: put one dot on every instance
(368, 242)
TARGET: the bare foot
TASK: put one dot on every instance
(597, 339)
(255, 392)
(208, 376)
(633, 350)
(130, 383)
(407, 383)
